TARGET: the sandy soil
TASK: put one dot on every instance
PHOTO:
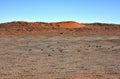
(59, 57)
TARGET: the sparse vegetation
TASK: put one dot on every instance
(67, 27)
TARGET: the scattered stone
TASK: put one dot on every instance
(49, 54)
(30, 49)
(41, 49)
(78, 50)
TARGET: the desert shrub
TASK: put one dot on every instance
(58, 26)
(61, 33)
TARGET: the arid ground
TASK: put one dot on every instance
(60, 55)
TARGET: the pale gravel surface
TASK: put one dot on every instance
(59, 57)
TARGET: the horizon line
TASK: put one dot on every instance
(56, 22)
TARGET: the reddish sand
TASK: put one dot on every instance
(59, 57)
(68, 27)
(71, 25)
(62, 50)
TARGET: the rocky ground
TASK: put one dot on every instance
(59, 57)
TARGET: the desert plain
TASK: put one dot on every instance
(66, 50)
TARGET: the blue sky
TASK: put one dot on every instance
(83, 11)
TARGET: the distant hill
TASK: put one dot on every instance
(67, 27)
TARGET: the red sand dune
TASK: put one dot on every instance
(68, 27)
(69, 24)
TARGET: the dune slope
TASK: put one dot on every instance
(68, 27)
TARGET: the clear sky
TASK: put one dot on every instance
(84, 11)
